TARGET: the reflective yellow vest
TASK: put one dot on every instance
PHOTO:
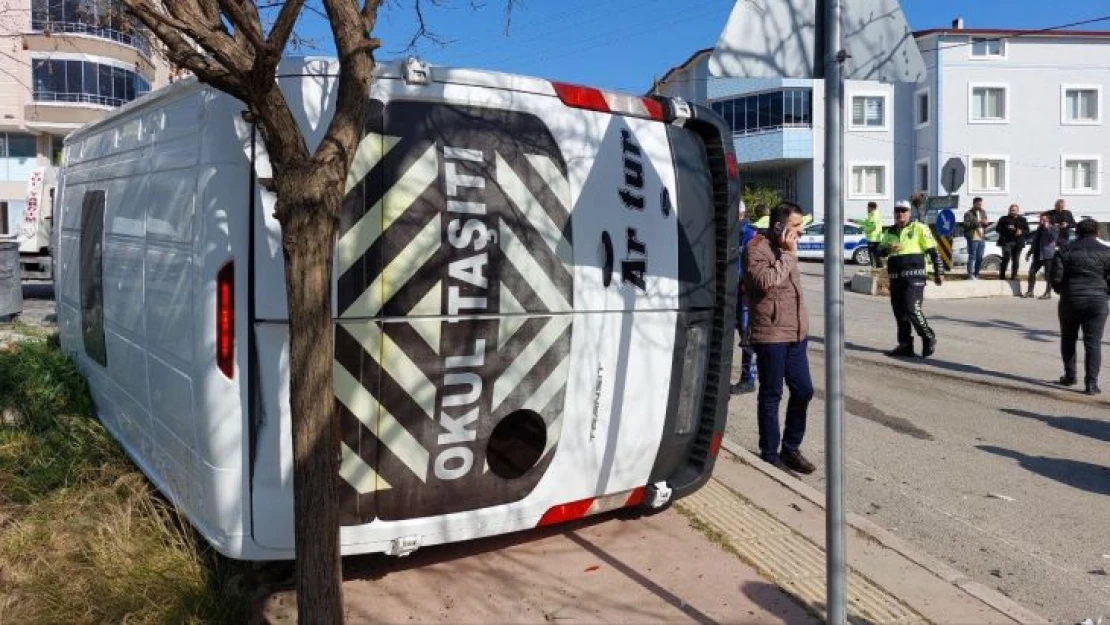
(914, 238)
(872, 227)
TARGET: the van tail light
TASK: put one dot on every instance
(730, 163)
(576, 96)
(583, 508)
(225, 319)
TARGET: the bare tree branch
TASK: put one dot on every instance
(283, 26)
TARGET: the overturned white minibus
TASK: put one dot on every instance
(534, 292)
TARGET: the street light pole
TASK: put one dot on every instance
(835, 567)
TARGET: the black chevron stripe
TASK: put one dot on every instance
(539, 373)
(543, 193)
(355, 508)
(552, 267)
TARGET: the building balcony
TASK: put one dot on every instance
(132, 38)
(790, 142)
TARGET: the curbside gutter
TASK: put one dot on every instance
(996, 600)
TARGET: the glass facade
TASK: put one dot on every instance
(58, 80)
(18, 156)
(97, 18)
(788, 108)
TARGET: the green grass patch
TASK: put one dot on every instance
(84, 537)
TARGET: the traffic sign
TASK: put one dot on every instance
(952, 174)
(946, 223)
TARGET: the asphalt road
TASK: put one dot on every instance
(973, 456)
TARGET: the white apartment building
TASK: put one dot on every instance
(64, 63)
(1023, 110)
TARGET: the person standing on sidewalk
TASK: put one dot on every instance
(779, 333)
(873, 231)
(1080, 273)
(907, 244)
(1042, 248)
(748, 366)
(975, 231)
(1012, 229)
(1063, 221)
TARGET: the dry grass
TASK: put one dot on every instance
(83, 536)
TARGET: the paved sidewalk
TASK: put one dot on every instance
(653, 569)
(745, 549)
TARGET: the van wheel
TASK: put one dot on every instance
(862, 256)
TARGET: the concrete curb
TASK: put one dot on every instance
(867, 284)
(989, 596)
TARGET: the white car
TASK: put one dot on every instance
(812, 243)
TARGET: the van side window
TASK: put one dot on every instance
(92, 276)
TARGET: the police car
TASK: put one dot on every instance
(812, 243)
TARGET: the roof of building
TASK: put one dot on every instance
(1003, 32)
(683, 65)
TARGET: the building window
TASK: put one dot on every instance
(86, 82)
(987, 48)
(869, 181)
(869, 112)
(788, 108)
(989, 104)
(105, 19)
(1082, 105)
(922, 108)
(922, 175)
(1081, 174)
(18, 156)
(989, 175)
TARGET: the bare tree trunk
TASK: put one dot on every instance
(309, 241)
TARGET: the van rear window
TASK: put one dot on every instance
(92, 276)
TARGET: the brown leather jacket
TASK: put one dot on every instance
(773, 286)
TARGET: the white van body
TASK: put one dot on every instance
(533, 304)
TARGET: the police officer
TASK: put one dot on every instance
(906, 244)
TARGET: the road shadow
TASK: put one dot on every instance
(1037, 335)
(1092, 478)
(947, 365)
(1083, 426)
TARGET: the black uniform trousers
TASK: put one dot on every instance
(906, 296)
(1088, 314)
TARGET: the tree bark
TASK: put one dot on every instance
(306, 210)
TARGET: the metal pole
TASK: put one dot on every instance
(835, 568)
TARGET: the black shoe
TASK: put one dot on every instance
(1046, 296)
(902, 351)
(1092, 388)
(741, 388)
(1028, 295)
(1066, 381)
(795, 461)
(929, 346)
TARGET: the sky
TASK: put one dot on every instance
(624, 44)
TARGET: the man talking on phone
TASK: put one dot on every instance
(779, 326)
(907, 244)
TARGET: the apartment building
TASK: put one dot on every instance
(63, 63)
(1023, 111)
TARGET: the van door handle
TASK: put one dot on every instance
(607, 258)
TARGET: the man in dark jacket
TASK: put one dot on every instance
(1012, 229)
(1042, 247)
(1063, 221)
(1081, 275)
(779, 327)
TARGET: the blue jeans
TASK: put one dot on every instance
(974, 257)
(780, 362)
